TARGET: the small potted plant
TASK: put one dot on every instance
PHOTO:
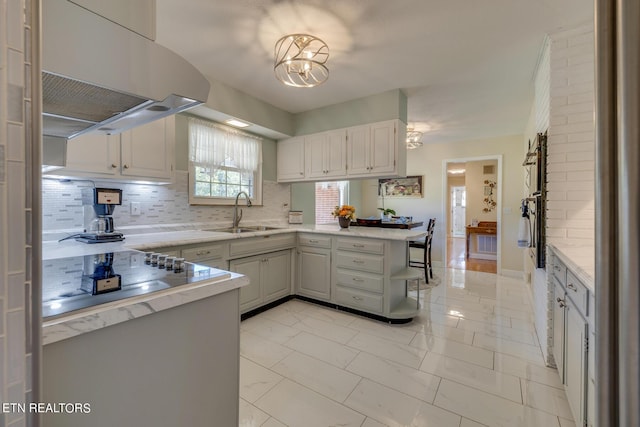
(386, 213)
(345, 214)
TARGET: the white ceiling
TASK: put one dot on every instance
(465, 65)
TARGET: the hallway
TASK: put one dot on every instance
(457, 258)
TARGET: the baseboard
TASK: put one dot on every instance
(476, 255)
(512, 273)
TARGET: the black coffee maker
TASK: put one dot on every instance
(98, 205)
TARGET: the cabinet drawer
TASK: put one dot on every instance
(361, 245)
(202, 253)
(578, 293)
(259, 245)
(353, 279)
(359, 300)
(314, 240)
(362, 262)
(560, 271)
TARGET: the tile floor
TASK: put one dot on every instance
(470, 359)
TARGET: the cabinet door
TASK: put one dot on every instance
(276, 275)
(358, 150)
(147, 151)
(559, 331)
(314, 151)
(575, 367)
(291, 159)
(314, 273)
(383, 147)
(250, 296)
(335, 153)
(94, 154)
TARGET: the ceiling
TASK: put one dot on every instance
(466, 66)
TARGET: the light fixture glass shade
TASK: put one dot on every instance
(414, 139)
(300, 59)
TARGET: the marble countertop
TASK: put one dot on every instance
(91, 319)
(146, 241)
(87, 320)
(580, 259)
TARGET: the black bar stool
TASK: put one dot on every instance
(425, 245)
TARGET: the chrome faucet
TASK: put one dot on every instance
(236, 217)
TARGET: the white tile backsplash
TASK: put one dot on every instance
(160, 205)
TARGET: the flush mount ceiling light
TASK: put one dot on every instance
(237, 123)
(300, 59)
(414, 139)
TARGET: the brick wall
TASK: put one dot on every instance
(571, 143)
(327, 198)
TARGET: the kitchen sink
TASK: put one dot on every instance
(244, 229)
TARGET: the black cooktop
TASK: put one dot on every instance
(75, 283)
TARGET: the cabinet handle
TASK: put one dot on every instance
(357, 298)
(357, 245)
(113, 166)
(356, 279)
(556, 268)
(358, 261)
(561, 302)
(313, 241)
(301, 173)
(203, 253)
(572, 287)
(125, 166)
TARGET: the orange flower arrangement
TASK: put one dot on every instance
(345, 211)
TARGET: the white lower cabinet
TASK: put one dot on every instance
(269, 278)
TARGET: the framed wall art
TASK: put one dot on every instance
(410, 186)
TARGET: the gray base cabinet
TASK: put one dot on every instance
(269, 276)
(572, 322)
(314, 273)
(177, 367)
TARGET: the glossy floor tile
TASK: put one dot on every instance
(471, 358)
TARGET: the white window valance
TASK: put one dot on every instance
(214, 145)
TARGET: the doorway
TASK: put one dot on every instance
(458, 208)
(465, 204)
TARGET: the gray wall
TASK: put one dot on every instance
(375, 108)
(227, 100)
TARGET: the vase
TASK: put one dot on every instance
(344, 222)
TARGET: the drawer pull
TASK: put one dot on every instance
(561, 302)
(358, 261)
(357, 245)
(203, 253)
(556, 268)
(357, 298)
(572, 287)
(357, 279)
(313, 241)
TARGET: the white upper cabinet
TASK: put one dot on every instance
(372, 149)
(144, 153)
(366, 151)
(326, 154)
(148, 150)
(291, 160)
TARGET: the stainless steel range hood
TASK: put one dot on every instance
(99, 76)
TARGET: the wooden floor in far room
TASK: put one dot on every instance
(457, 258)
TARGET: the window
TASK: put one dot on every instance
(222, 163)
(328, 196)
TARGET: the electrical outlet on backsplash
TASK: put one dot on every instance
(161, 207)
